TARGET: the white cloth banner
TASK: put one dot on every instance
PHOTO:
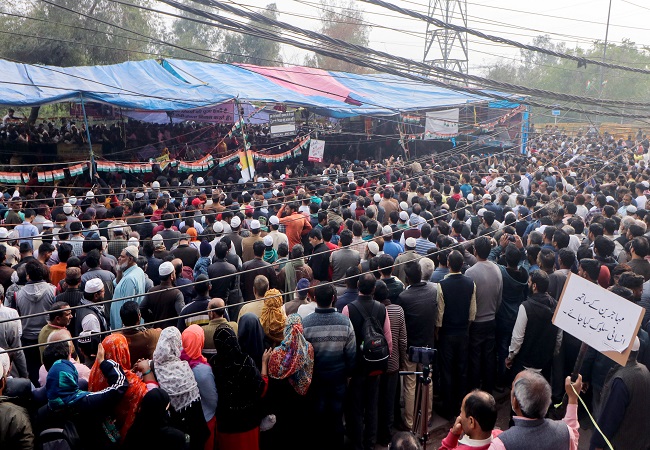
(441, 124)
(603, 320)
(316, 150)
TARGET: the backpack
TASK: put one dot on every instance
(65, 438)
(374, 349)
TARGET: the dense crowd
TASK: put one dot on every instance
(278, 313)
(184, 140)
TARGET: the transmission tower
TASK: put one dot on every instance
(443, 47)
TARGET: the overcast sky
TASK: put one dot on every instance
(575, 22)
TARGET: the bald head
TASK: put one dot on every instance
(531, 395)
(216, 303)
(178, 265)
(61, 335)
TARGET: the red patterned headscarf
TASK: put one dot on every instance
(294, 357)
(116, 348)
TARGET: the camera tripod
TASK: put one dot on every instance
(421, 408)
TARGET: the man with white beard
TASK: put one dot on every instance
(130, 282)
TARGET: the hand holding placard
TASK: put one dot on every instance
(603, 320)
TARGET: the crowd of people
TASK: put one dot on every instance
(278, 313)
(133, 138)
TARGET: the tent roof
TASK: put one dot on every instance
(141, 84)
(179, 84)
(328, 93)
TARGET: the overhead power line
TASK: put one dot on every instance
(358, 53)
(439, 23)
(363, 61)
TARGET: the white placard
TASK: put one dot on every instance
(316, 150)
(601, 319)
(224, 113)
(441, 124)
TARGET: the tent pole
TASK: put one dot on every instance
(90, 144)
(240, 112)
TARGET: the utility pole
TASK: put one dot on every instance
(443, 47)
(602, 71)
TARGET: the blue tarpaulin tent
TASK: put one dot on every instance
(179, 84)
(139, 85)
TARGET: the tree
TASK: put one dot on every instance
(62, 38)
(341, 19)
(194, 36)
(537, 70)
(247, 49)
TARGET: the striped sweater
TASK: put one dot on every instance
(398, 357)
(332, 335)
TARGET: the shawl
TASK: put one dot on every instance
(290, 280)
(272, 317)
(250, 336)
(239, 383)
(174, 376)
(62, 385)
(270, 256)
(294, 357)
(116, 348)
(193, 340)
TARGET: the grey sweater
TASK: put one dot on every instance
(489, 289)
(31, 299)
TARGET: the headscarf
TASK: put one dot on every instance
(273, 317)
(151, 425)
(62, 385)
(116, 348)
(193, 340)
(174, 375)
(239, 382)
(294, 357)
(250, 336)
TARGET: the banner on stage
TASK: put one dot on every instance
(601, 319)
(316, 150)
(224, 113)
(441, 124)
(282, 124)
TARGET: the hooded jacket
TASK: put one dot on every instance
(34, 298)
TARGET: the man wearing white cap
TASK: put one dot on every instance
(408, 255)
(381, 212)
(12, 253)
(92, 317)
(236, 239)
(130, 282)
(247, 242)
(392, 247)
(276, 235)
(68, 210)
(16, 430)
(163, 302)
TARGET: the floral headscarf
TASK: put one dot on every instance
(116, 348)
(273, 317)
(174, 376)
(193, 341)
(294, 357)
